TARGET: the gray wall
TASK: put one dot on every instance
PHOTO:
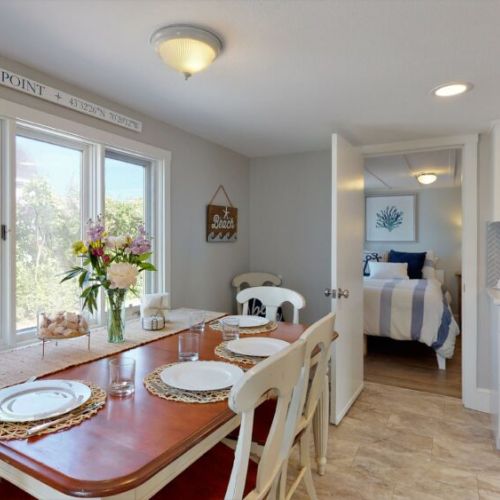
(439, 216)
(290, 224)
(201, 272)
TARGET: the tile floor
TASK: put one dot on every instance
(400, 444)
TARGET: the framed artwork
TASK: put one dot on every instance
(390, 218)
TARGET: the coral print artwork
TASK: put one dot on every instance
(390, 218)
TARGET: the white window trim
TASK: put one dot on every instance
(12, 113)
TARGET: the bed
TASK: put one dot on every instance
(412, 310)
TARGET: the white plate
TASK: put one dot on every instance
(201, 375)
(248, 321)
(41, 399)
(257, 346)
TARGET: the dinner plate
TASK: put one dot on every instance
(201, 375)
(256, 346)
(247, 321)
(41, 399)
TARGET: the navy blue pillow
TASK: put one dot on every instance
(415, 262)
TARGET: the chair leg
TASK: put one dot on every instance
(305, 464)
(320, 427)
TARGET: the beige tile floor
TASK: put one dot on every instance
(400, 444)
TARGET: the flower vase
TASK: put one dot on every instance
(116, 315)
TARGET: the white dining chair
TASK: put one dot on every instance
(207, 477)
(314, 379)
(272, 298)
(254, 279)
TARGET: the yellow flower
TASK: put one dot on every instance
(79, 248)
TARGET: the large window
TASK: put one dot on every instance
(51, 183)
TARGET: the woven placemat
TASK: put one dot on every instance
(155, 385)
(223, 352)
(18, 430)
(270, 327)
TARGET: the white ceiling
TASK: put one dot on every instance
(291, 73)
(399, 172)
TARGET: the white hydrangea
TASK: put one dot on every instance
(122, 275)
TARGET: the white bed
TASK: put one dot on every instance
(411, 309)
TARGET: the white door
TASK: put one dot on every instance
(346, 290)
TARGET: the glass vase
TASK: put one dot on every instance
(116, 315)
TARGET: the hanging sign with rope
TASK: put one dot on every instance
(222, 221)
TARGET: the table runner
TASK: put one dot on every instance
(18, 364)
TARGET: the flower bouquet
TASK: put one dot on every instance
(112, 263)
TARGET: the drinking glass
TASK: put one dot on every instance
(230, 328)
(121, 376)
(189, 346)
(197, 321)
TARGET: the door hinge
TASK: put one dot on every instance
(3, 234)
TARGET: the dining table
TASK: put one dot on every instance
(135, 445)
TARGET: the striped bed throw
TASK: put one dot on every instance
(410, 310)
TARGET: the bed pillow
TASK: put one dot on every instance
(429, 269)
(388, 270)
(370, 257)
(415, 261)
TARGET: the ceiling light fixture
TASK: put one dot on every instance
(188, 49)
(451, 89)
(426, 178)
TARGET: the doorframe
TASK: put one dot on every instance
(473, 396)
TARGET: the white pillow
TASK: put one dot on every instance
(388, 270)
(429, 269)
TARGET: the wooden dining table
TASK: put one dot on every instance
(133, 446)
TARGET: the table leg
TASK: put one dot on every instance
(320, 428)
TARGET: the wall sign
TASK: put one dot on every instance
(222, 221)
(37, 89)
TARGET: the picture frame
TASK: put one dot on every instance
(391, 218)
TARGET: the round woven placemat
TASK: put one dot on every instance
(270, 327)
(223, 352)
(18, 430)
(155, 385)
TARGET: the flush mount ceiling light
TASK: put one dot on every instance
(188, 49)
(426, 178)
(451, 89)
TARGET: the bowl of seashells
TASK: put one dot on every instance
(62, 325)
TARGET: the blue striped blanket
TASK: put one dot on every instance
(410, 310)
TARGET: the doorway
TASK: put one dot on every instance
(412, 270)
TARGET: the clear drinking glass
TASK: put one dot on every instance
(197, 321)
(230, 328)
(189, 346)
(121, 376)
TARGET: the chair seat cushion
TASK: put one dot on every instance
(10, 492)
(207, 478)
(263, 419)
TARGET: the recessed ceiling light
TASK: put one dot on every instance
(426, 178)
(451, 89)
(188, 49)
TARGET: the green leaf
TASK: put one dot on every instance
(147, 266)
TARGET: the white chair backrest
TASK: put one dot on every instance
(272, 298)
(254, 279)
(318, 340)
(279, 373)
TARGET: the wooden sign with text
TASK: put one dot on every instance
(222, 223)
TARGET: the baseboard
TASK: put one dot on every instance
(341, 414)
(480, 400)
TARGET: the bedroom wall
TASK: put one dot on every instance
(201, 271)
(439, 216)
(290, 221)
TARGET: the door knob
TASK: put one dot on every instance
(334, 294)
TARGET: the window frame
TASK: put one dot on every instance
(95, 142)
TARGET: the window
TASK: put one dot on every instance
(51, 183)
(125, 200)
(48, 220)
